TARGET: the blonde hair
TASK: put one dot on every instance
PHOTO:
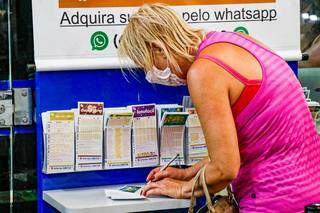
(159, 25)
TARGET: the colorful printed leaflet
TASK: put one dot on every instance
(118, 139)
(172, 137)
(89, 137)
(58, 142)
(162, 108)
(144, 136)
(196, 148)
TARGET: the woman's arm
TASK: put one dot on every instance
(209, 86)
(193, 170)
(175, 173)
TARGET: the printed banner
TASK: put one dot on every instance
(85, 34)
(144, 110)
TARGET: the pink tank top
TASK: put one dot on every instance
(278, 143)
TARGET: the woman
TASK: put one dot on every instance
(258, 130)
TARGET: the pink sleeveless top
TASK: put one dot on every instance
(278, 143)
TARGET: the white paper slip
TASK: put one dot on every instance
(116, 195)
(128, 192)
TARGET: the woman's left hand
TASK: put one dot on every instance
(166, 187)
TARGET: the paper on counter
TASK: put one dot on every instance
(128, 192)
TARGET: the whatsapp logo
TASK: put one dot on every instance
(241, 30)
(99, 41)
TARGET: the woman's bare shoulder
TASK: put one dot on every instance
(203, 70)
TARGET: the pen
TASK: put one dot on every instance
(164, 167)
(168, 164)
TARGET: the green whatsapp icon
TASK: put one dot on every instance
(99, 41)
(241, 30)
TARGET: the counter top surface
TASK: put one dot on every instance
(93, 199)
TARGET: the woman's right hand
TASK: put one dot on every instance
(170, 172)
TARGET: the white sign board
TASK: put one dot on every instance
(84, 34)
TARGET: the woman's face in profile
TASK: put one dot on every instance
(159, 59)
(161, 62)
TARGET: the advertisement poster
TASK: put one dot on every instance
(85, 34)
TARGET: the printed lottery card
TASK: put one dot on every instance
(130, 189)
(58, 141)
(196, 148)
(162, 108)
(118, 138)
(144, 136)
(89, 137)
(172, 137)
(174, 119)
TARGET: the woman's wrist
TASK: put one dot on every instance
(188, 173)
(193, 170)
(186, 190)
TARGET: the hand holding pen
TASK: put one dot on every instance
(161, 169)
(166, 181)
(170, 172)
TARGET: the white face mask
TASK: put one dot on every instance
(164, 77)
